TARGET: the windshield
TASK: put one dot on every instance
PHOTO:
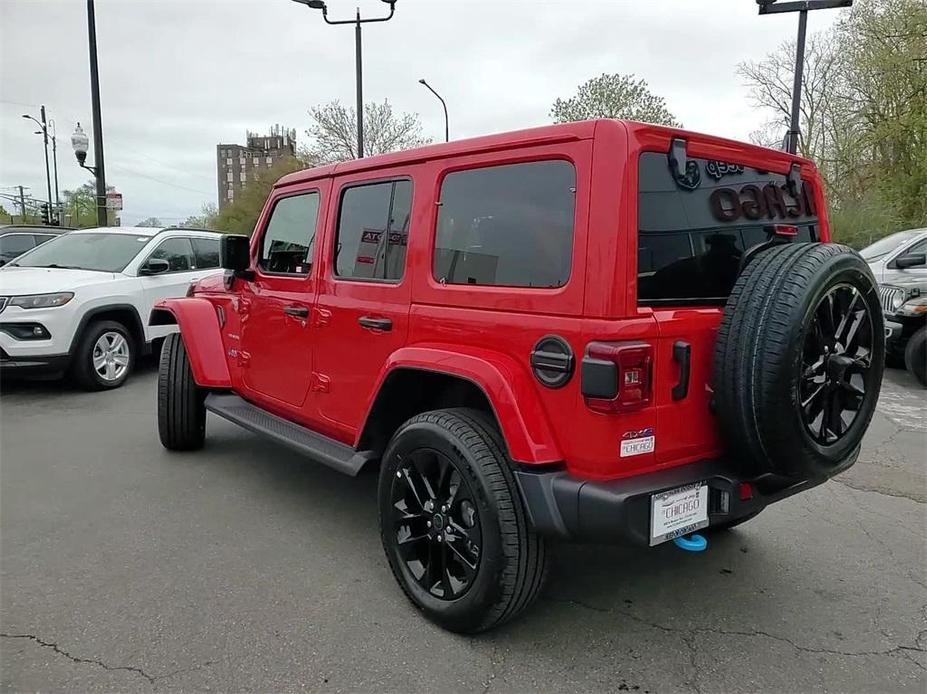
(883, 247)
(101, 252)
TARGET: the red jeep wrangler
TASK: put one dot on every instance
(599, 331)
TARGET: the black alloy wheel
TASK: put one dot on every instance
(436, 522)
(836, 360)
(453, 525)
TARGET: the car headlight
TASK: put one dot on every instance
(41, 300)
(897, 300)
(913, 307)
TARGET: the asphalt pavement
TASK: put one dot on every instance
(243, 567)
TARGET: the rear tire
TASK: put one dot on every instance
(445, 488)
(181, 408)
(915, 355)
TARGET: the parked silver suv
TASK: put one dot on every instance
(899, 257)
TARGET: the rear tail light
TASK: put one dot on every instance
(617, 376)
(787, 230)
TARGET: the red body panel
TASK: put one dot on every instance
(199, 325)
(326, 374)
(509, 387)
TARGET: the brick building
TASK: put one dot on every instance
(237, 164)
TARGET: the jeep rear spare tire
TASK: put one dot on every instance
(798, 360)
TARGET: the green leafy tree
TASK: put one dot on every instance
(150, 222)
(333, 133)
(863, 115)
(80, 207)
(614, 96)
(204, 220)
(240, 216)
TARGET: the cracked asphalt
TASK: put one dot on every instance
(242, 567)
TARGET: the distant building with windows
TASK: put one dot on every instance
(238, 164)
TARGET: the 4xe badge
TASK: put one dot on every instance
(637, 442)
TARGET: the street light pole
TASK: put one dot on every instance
(54, 139)
(802, 7)
(98, 168)
(44, 133)
(359, 83)
(358, 64)
(447, 132)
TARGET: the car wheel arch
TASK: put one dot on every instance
(126, 314)
(491, 383)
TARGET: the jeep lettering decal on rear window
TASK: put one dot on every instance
(693, 234)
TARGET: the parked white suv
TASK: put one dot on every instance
(80, 303)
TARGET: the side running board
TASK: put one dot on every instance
(321, 448)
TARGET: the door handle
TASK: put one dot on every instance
(296, 311)
(682, 354)
(384, 324)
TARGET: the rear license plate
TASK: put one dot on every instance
(678, 512)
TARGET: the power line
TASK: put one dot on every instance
(158, 180)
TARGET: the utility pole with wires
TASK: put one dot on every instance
(22, 204)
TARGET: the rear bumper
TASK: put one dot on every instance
(618, 511)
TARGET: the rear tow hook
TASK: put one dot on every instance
(692, 543)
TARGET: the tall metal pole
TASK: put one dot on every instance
(447, 131)
(97, 117)
(22, 206)
(794, 127)
(47, 170)
(360, 86)
(54, 140)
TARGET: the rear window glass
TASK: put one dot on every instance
(509, 225)
(692, 233)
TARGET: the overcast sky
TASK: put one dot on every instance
(179, 76)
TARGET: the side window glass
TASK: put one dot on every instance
(373, 230)
(509, 225)
(288, 240)
(14, 245)
(920, 247)
(42, 238)
(206, 252)
(177, 252)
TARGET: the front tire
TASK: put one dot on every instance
(104, 357)
(181, 408)
(453, 525)
(915, 355)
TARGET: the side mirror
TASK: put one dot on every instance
(235, 253)
(911, 260)
(154, 266)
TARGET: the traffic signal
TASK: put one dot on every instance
(46, 213)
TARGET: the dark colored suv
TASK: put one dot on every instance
(597, 331)
(16, 239)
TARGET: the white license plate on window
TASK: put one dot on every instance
(678, 512)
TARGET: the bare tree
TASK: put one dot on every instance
(334, 132)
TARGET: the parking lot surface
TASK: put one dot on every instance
(244, 567)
